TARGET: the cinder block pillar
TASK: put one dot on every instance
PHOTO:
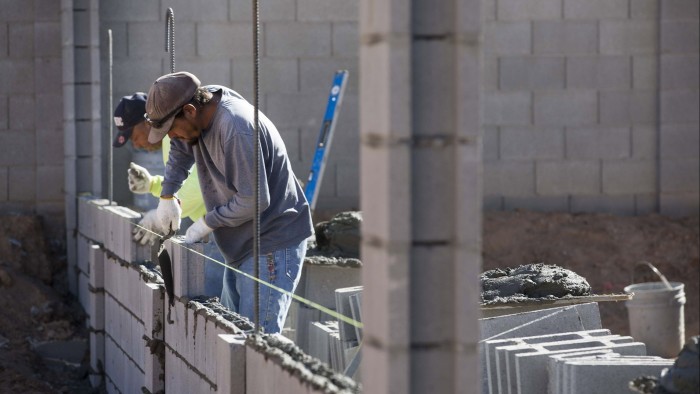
(421, 194)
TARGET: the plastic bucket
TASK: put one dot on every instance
(656, 317)
(153, 162)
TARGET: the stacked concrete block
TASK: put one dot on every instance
(530, 372)
(608, 375)
(319, 339)
(555, 372)
(355, 309)
(488, 349)
(318, 283)
(231, 364)
(343, 307)
(153, 298)
(96, 314)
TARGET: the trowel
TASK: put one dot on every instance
(166, 267)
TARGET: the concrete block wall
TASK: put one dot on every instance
(586, 104)
(138, 341)
(31, 112)
(302, 43)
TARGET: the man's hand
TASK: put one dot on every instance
(168, 214)
(146, 233)
(197, 231)
(139, 179)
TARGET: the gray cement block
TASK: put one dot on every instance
(610, 376)
(625, 36)
(679, 141)
(355, 309)
(531, 143)
(319, 339)
(680, 106)
(488, 356)
(22, 153)
(626, 107)
(322, 11)
(527, 10)
(310, 39)
(568, 177)
(22, 184)
(644, 141)
(507, 38)
(531, 72)
(318, 282)
(600, 72)
(531, 368)
(214, 40)
(231, 366)
(555, 380)
(342, 304)
(680, 71)
(345, 39)
(596, 9)
(679, 36)
(583, 143)
(617, 205)
(644, 72)
(566, 108)
(565, 37)
(628, 176)
(131, 10)
(305, 316)
(679, 176)
(644, 9)
(269, 11)
(511, 108)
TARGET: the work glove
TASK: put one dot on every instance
(139, 179)
(145, 233)
(168, 215)
(197, 231)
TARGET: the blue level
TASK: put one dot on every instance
(325, 137)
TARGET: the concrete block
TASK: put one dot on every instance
(626, 36)
(132, 10)
(680, 106)
(529, 143)
(305, 316)
(318, 282)
(628, 176)
(596, 9)
(355, 309)
(316, 75)
(153, 306)
(18, 76)
(239, 10)
(529, 10)
(47, 39)
(679, 141)
(531, 73)
(680, 36)
(531, 367)
(347, 180)
(345, 39)
(645, 72)
(84, 291)
(569, 177)
(342, 303)
(83, 255)
(21, 40)
(679, 204)
(284, 39)
(610, 376)
(3, 184)
(319, 340)
(96, 283)
(22, 152)
(322, 11)
(585, 143)
(48, 75)
(97, 352)
(490, 141)
(680, 71)
(209, 46)
(296, 110)
(599, 72)
(616, 205)
(488, 348)
(622, 108)
(565, 108)
(511, 108)
(507, 38)
(555, 368)
(188, 267)
(21, 116)
(3, 107)
(565, 37)
(512, 177)
(679, 176)
(579, 317)
(644, 141)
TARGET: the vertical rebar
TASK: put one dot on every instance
(256, 217)
(170, 37)
(110, 191)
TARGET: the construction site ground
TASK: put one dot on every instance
(607, 250)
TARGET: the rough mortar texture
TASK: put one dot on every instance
(532, 281)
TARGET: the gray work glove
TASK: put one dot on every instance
(168, 214)
(145, 233)
(139, 179)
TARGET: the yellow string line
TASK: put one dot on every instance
(310, 303)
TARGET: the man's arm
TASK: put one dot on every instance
(240, 171)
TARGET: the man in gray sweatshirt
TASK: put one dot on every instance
(214, 128)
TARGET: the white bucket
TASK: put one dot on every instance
(656, 317)
(153, 162)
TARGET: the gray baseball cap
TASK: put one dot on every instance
(167, 96)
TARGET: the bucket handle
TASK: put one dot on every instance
(656, 271)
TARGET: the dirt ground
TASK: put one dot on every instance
(36, 308)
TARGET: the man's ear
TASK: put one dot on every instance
(190, 111)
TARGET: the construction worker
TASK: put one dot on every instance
(131, 125)
(213, 127)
